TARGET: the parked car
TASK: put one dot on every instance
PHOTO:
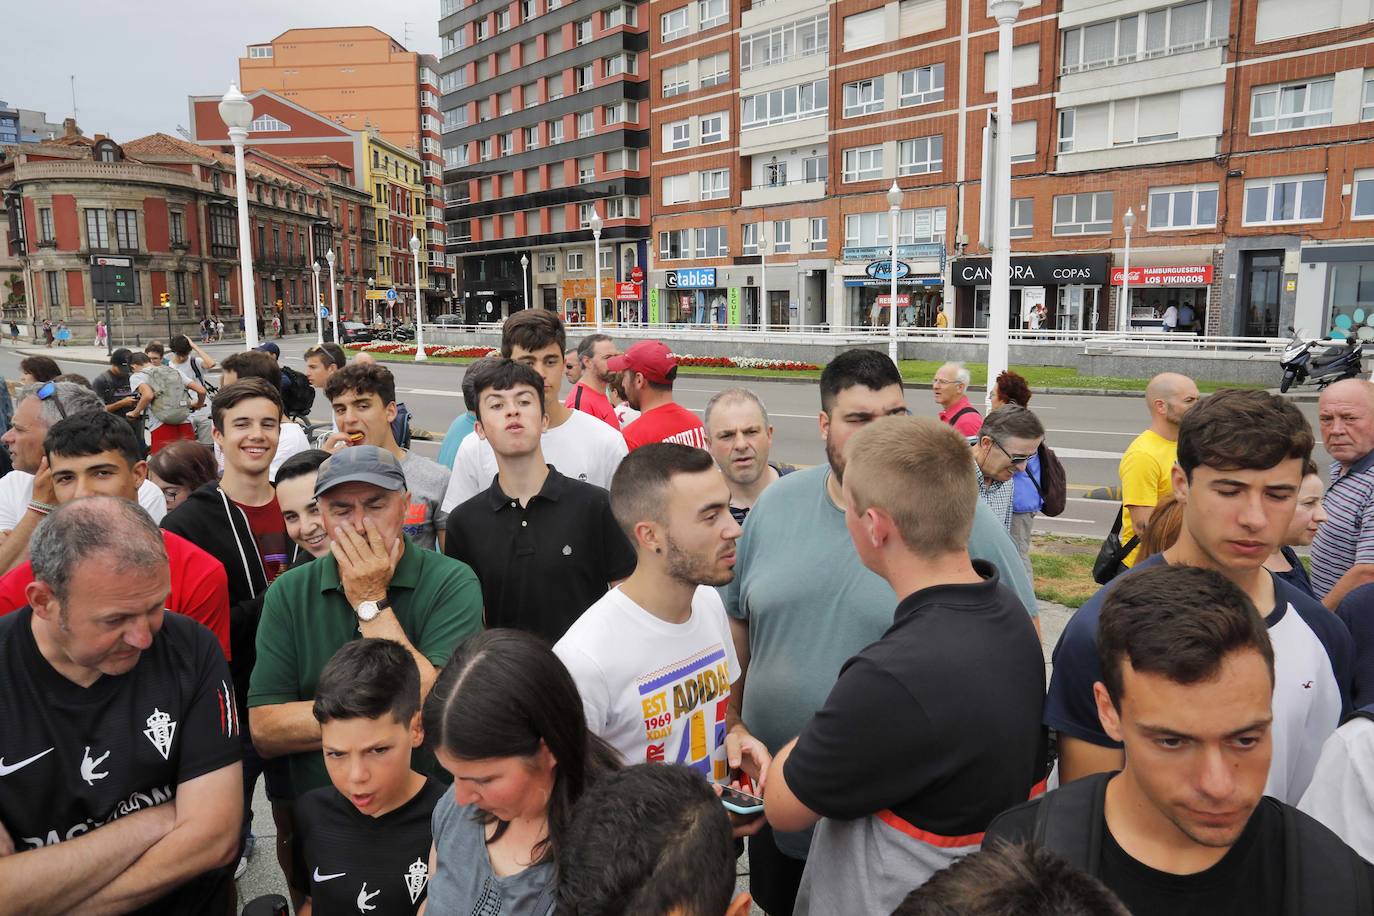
(354, 332)
(449, 320)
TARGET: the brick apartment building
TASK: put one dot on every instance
(363, 79)
(1236, 133)
(168, 205)
(544, 108)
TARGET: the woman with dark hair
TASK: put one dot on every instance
(1026, 500)
(1307, 518)
(35, 370)
(504, 718)
(180, 468)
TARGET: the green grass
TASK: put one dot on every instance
(1064, 569)
(916, 371)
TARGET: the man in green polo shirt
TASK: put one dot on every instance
(374, 582)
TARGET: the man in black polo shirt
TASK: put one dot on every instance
(544, 546)
(919, 745)
(120, 787)
(114, 389)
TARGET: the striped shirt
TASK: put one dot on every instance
(1347, 536)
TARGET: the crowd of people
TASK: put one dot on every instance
(603, 645)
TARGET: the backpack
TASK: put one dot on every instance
(1055, 490)
(400, 427)
(297, 395)
(1322, 876)
(169, 395)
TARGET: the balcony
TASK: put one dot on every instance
(808, 131)
(787, 192)
(1169, 71)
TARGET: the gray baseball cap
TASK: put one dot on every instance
(361, 463)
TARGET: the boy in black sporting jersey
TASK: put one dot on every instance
(364, 842)
(120, 787)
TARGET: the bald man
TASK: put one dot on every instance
(1343, 551)
(1147, 464)
(364, 358)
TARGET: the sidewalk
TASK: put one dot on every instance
(98, 356)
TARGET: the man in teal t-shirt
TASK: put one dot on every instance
(802, 603)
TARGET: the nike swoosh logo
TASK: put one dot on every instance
(7, 769)
(319, 877)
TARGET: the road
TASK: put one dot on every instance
(1088, 432)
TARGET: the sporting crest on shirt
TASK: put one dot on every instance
(416, 879)
(161, 728)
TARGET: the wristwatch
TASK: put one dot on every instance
(368, 611)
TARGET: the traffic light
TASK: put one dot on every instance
(164, 300)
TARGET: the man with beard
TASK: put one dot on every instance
(1148, 462)
(648, 371)
(653, 660)
(801, 612)
(588, 392)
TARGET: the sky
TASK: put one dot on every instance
(136, 62)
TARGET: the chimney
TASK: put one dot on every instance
(69, 128)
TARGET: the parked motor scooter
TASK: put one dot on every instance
(1304, 362)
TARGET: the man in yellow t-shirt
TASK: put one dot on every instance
(1148, 462)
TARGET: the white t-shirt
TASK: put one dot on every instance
(1341, 794)
(16, 490)
(655, 691)
(581, 447)
(625, 414)
(291, 441)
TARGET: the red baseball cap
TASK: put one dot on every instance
(651, 358)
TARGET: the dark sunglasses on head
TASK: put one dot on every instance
(49, 391)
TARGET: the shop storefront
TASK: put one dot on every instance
(865, 284)
(1154, 289)
(1335, 291)
(1071, 288)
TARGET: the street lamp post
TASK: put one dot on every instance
(237, 114)
(525, 269)
(1123, 321)
(763, 275)
(596, 244)
(371, 286)
(894, 208)
(419, 303)
(319, 300)
(333, 307)
(999, 313)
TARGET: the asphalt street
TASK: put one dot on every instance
(1088, 432)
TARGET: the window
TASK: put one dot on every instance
(863, 163)
(819, 230)
(505, 102)
(582, 77)
(584, 214)
(675, 244)
(126, 230)
(814, 168)
(863, 30)
(532, 137)
(676, 81)
(677, 135)
(586, 123)
(256, 52)
(913, 227)
(574, 262)
(782, 236)
(776, 45)
(53, 279)
(479, 29)
(749, 239)
(863, 97)
(676, 189)
(1367, 108)
(711, 13)
(508, 143)
(673, 24)
(586, 170)
(555, 130)
(607, 260)
(1173, 30)
(1188, 207)
(454, 80)
(553, 88)
(1364, 194)
(1082, 214)
(922, 85)
(1284, 200)
(503, 19)
(45, 230)
(1022, 211)
(527, 10)
(920, 156)
(453, 41)
(715, 184)
(792, 103)
(582, 31)
(1022, 141)
(267, 124)
(775, 173)
(1292, 107)
(548, 263)
(618, 16)
(179, 288)
(713, 128)
(483, 151)
(711, 242)
(622, 208)
(1067, 123)
(618, 160)
(1025, 67)
(176, 226)
(714, 70)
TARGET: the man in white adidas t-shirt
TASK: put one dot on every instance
(577, 444)
(653, 660)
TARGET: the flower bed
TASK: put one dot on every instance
(743, 362)
(401, 349)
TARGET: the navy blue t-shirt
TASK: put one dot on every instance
(1357, 610)
(1314, 670)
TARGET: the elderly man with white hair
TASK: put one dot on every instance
(950, 385)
